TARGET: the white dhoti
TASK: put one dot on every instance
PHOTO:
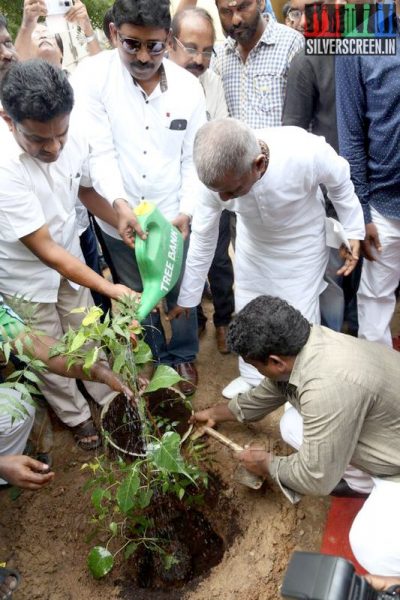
(14, 429)
(375, 533)
(292, 269)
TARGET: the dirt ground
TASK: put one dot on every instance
(43, 533)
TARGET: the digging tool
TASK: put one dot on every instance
(242, 475)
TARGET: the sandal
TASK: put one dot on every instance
(9, 581)
(86, 430)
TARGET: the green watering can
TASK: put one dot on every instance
(159, 256)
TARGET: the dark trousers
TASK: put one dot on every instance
(90, 253)
(220, 276)
(184, 344)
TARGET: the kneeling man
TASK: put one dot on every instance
(344, 420)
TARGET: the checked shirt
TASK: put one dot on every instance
(255, 90)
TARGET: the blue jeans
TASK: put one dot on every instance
(184, 343)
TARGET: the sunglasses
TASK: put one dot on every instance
(194, 51)
(132, 45)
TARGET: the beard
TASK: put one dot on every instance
(244, 33)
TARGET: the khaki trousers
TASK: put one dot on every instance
(62, 393)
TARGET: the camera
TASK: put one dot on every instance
(58, 7)
(312, 576)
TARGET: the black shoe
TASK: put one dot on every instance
(343, 490)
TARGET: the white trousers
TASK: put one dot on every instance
(379, 279)
(375, 533)
(14, 433)
(62, 393)
(308, 307)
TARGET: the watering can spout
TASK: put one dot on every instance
(159, 256)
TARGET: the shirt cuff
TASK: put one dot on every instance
(235, 409)
(290, 494)
(367, 213)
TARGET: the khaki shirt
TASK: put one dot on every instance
(348, 393)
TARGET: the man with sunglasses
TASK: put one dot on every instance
(142, 114)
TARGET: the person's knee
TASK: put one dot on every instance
(375, 550)
(291, 426)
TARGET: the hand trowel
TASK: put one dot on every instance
(242, 475)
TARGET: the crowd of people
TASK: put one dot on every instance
(250, 144)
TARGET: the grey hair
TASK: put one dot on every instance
(223, 146)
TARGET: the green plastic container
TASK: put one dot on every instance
(159, 257)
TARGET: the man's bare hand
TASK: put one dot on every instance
(182, 222)
(177, 312)
(102, 372)
(128, 225)
(350, 258)
(203, 417)
(33, 9)
(371, 242)
(255, 459)
(118, 290)
(78, 14)
(25, 472)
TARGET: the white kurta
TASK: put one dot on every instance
(280, 245)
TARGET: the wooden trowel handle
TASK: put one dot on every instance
(222, 438)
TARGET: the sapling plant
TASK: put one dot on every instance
(127, 492)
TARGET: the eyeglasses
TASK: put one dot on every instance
(295, 14)
(132, 45)
(193, 51)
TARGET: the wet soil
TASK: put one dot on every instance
(43, 534)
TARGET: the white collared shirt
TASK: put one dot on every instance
(280, 242)
(33, 194)
(141, 146)
(215, 95)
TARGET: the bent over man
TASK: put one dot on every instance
(270, 178)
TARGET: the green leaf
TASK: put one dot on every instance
(78, 341)
(166, 456)
(77, 311)
(18, 346)
(91, 358)
(97, 497)
(130, 549)
(142, 353)
(93, 315)
(117, 329)
(144, 498)
(113, 528)
(127, 491)
(6, 348)
(31, 377)
(164, 377)
(181, 493)
(119, 361)
(100, 561)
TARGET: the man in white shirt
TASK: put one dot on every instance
(271, 179)
(191, 47)
(142, 114)
(40, 258)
